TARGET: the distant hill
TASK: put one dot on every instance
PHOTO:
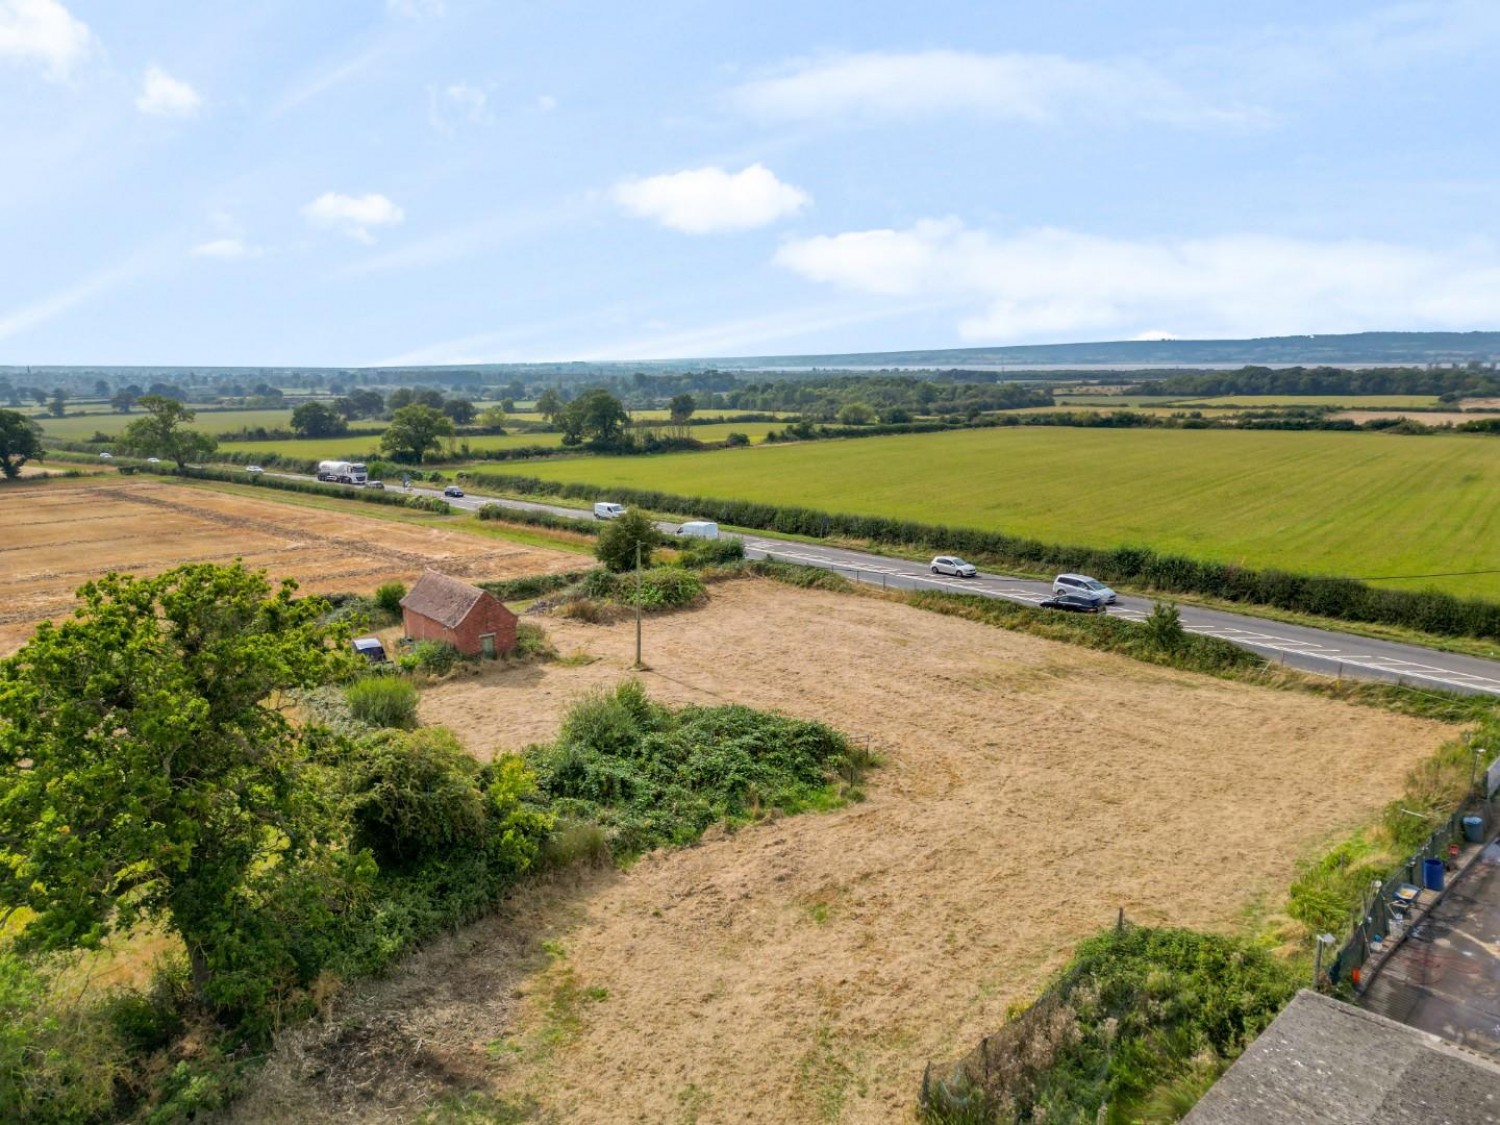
(1360, 348)
(1146, 358)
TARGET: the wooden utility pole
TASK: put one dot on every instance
(638, 663)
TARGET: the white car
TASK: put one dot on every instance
(153, 460)
(952, 564)
(253, 469)
(1083, 584)
(106, 456)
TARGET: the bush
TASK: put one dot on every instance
(532, 642)
(531, 586)
(414, 796)
(435, 657)
(713, 552)
(626, 541)
(735, 438)
(1136, 1019)
(653, 776)
(58, 1061)
(383, 701)
(388, 597)
(1164, 627)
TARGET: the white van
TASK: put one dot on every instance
(699, 529)
(604, 510)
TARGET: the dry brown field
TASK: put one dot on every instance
(57, 536)
(805, 969)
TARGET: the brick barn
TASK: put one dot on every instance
(474, 621)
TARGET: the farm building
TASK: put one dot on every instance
(474, 621)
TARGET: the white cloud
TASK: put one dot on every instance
(1051, 283)
(705, 200)
(353, 214)
(43, 31)
(1022, 87)
(416, 9)
(227, 249)
(164, 96)
(546, 103)
(459, 101)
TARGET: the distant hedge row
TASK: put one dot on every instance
(1340, 598)
(537, 519)
(390, 499)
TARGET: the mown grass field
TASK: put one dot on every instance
(368, 446)
(80, 427)
(1362, 505)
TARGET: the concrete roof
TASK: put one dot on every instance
(1323, 1062)
(442, 599)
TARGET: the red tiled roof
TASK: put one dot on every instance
(442, 599)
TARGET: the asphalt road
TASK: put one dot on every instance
(1323, 651)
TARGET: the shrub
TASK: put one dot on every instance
(713, 552)
(1135, 1020)
(1164, 627)
(530, 586)
(435, 657)
(662, 587)
(627, 541)
(735, 438)
(383, 701)
(588, 610)
(532, 642)
(413, 796)
(58, 1060)
(388, 597)
(653, 776)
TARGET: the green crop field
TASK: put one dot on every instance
(80, 427)
(1357, 504)
(368, 446)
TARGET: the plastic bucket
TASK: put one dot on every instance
(1432, 874)
(1474, 829)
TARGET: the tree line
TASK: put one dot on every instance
(1449, 384)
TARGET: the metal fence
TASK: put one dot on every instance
(984, 1084)
(1378, 915)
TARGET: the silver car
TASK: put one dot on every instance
(1083, 584)
(952, 564)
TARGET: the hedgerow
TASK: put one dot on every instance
(1346, 599)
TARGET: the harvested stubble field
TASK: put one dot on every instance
(55, 537)
(805, 969)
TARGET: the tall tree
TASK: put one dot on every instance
(681, 408)
(101, 388)
(59, 405)
(550, 406)
(123, 400)
(414, 432)
(317, 419)
(595, 416)
(146, 770)
(20, 441)
(461, 410)
(163, 432)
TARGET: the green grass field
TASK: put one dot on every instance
(80, 427)
(368, 447)
(1362, 505)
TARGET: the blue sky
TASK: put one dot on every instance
(436, 181)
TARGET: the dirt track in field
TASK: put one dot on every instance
(53, 538)
(805, 970)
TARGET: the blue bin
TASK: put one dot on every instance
(1432, 874)
(1474, 829)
